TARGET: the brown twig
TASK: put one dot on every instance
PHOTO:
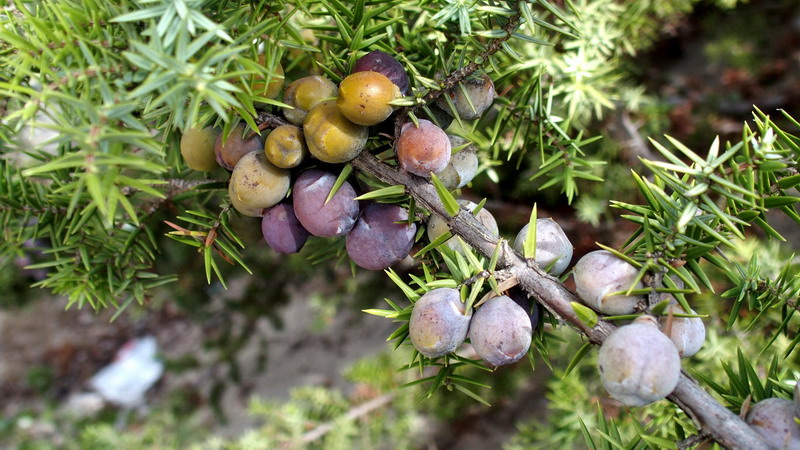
(708, 414)
(355, 413)
(88, 73)
(691, 441)
(268, 120)
(623, 130)
(174, 186)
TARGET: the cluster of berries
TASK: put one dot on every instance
(501, 328)
(331, 125)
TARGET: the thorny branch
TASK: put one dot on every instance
(708, 414)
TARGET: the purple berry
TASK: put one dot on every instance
(281, 229)
(335, 218)
(552, 245)
(638, 363)
(773, 419)
(600, 273)
(688, 334)
(385, 64)
(381, 238)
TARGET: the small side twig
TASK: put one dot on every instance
(693, 440)
(268, 120)
(654, 282)
(353, 414)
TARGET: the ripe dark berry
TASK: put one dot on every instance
(600, 273)
(281, 229)
(501, 331)
(386, 65)
(335, 218)
(552, 244)
(381, 238)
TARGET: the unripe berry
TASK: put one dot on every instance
(600, 273)
(285, 146)
(243, 208)
(256, 184)
(304, 93)
(638, 363)
(462, 167)
(480, 91)
(438, 226)
(197, 148)
(330, 136)
(423, 150)
(552, 244)
(386, 65)
(688, 334)
(438, 325)
(501, 331)
(773, 419)
(364, 98)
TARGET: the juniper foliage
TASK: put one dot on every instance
(94, 96)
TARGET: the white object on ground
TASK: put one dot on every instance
(134, 370)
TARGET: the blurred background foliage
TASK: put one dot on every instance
(642, 68)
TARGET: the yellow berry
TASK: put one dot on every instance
(304, 93)
(330, 136)
(197, 148)
(285, 147)
(364, 97)
(256, 184)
